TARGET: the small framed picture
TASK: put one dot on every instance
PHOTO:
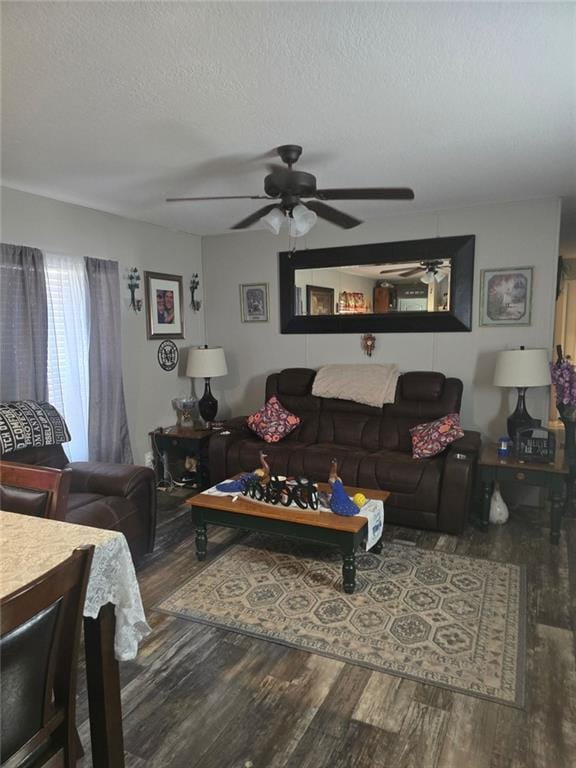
(319, 300)
(506, 296)
(254, 302)
(164, 316)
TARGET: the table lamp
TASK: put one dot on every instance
(521, 368)
(206, 363)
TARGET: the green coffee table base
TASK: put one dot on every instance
(346, 541)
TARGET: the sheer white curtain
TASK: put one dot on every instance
(68, 347)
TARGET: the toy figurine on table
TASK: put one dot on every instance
(340, 502)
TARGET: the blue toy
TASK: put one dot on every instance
(340, 502)
(236, 486)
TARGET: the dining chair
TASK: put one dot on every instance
(31, 490)
(39, 639)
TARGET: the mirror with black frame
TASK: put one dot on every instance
(416, 285)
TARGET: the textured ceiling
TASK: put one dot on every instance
(119, 105)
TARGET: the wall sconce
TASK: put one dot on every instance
(133, 286)
(194, 285)
(368, 342)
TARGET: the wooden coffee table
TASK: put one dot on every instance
(346, 533)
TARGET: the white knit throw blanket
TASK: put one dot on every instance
(369, 384)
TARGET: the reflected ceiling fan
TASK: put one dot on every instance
(433, 269)
(290, 188)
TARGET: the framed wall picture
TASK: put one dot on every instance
(254, 302)
(506, 296)
(319, 300)
(164, 316)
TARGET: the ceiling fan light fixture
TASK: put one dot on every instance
(302, 220)
(427, 278)
(439, 276)
(273, 220)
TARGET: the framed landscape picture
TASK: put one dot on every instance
(319, 300)
(254, 302)
(506, 296)
(164, 317)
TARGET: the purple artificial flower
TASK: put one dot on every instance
(563, 374)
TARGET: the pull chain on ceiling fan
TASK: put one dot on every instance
(290, 188)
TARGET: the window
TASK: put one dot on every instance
(68, 347)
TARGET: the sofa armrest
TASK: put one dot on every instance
(470, 443)
(109, 479)
(220, 444)
(238, 424)
(458, 479)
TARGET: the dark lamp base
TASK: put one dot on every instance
(520, 419)
(208, 405)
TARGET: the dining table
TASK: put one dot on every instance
(114, 619)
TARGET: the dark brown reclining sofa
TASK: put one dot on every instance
(372, 446)
(121, 497)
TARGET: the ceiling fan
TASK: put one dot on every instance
(289, 188)
(433, 269)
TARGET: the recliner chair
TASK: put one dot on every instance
(121, 497)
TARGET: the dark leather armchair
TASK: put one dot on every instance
(121, 497)
(39, 639)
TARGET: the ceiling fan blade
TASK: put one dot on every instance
(332, 215)
(404, 272)
(221, 197)
(254, 217)
(410, 272)
(369, 193)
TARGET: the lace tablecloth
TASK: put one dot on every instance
(30, 546)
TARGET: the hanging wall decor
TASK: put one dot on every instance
(194, 285)
(168, 355)
(506, 296)
(165, 319)
(368, 342)
(133, 286)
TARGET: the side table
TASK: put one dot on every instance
(552, 477)
(173, 443)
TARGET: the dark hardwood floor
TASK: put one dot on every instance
(201, 697)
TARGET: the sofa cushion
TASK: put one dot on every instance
(414, 483)
(314, 462)
(244, 456)
(421, 385)
(430, 439)
(273, 422)
(296, 381)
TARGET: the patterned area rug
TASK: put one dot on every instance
(447, 620)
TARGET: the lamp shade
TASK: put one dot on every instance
(273, 220)
(302, 221)
(522, 368)
(206, 362)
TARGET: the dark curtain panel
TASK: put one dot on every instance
(23, 324)
(108, 436)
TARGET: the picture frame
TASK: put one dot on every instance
(319, 300)
(506, 296)
(254, 302)
(164, 308)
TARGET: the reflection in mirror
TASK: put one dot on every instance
(374, 289)
(408, 286)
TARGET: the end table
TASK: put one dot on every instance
(553, 477)
(178, 443)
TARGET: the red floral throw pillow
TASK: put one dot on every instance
(431, 439)
(273, 422)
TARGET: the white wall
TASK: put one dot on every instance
(75, 231)
(514, 234)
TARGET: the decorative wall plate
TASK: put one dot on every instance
(168, 355)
